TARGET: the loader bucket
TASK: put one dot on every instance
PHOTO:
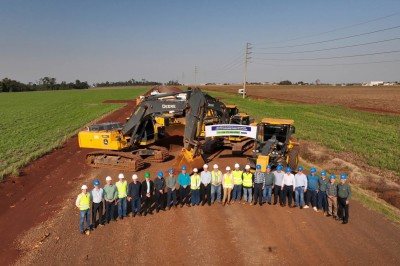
(186, 158)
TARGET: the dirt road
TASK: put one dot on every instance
(39, 225)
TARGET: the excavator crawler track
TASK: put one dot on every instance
(115, 160)
(161, 154)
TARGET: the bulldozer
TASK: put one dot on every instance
(129, 146)
(275, 144)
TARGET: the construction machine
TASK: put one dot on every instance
(129, 146)
(275, 144)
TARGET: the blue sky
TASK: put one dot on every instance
(164, 40)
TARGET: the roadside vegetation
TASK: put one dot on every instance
(33, 123)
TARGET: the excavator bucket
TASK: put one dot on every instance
(186, 158)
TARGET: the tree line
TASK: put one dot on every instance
(44, 84)
(131, 82)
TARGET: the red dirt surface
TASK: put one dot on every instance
(382, 99)
(39, 224)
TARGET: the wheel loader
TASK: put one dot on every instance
(275, 144)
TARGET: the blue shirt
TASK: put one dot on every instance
(96, 196)
(312, 182)
(184, 179)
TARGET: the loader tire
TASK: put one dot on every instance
(294, 158)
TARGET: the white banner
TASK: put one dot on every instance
(231, 130)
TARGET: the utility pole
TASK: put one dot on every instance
(195, 75)
(246, 59)
(183, 78)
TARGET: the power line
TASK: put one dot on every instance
(328, 65)
(332, 48)
(330, 40)
(323, 58)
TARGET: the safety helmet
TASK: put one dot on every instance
(215, 166)
(108, 178)
(343, 176)
(183, 168)
(195, 170)
(268, 167)
(313, 170)
(288, 170)
(205, 166)
(227, 168)
(171, 171)
(323, 173)
(121, 176)
(333, 177)
(96, 182)
(237, 165)
(300, 168)
(247, 167)
(134, 177)
(84, 187)
(147, 175)
(279, 167)
(160, 174)
(258, 166)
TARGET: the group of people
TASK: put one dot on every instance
(323, 193)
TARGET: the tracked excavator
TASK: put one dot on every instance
(129, 146)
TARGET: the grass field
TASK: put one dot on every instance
(374, 137)
(33, 123)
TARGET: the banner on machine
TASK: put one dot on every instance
(231, 130)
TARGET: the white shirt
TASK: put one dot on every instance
(278, 178)
(148, 186)
(301, 180)
(288, 180)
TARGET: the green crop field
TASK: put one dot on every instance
(374, 137)
(33, 123)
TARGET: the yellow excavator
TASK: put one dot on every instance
(129, 146)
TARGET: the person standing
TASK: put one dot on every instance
(288, 185)
(171, 188)
(83, 204)
(227, 184)
(122, 187)
(344, 196)
(96, 197)
(269, 183)
(216, 181)
(195, 187)
(110, 197)
(259, 184)
(331, 193)
(205, 186)
(248, 179)
(238, 182)
(159, 184)
(301, 187)
(312, 189)
(134, 194)
(278, 178)
(322, 201)
(147, 193)
(184, 189)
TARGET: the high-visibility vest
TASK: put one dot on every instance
(121, 187)
(228, 180)
(247, 179)
(237, 177)
(195, 182)
(216, 179)
(84, 203)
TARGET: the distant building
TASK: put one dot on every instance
(373, 83)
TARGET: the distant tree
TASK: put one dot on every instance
(285, 82)
(317, 82)
(172, 83)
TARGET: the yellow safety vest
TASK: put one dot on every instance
(122, 189)
(216, 179)
(247, 179)
(84, 203)
(195, 182)
(237, 177)
(228, 180)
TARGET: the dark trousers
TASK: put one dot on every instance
(258, 189)
(205, 194)
(147, 204)
(278, 192)
(135, 203)
(110, 209)
(184, 194)
(171, 194)
(343, 207)
(287, 192)
(97, 208)
(322, 201)
(311, 196)
(159, 200)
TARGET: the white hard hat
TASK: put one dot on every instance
(84, 187)
(237, 165)
(134, 177)
(195, 170)
(121, 176)
(228, 168)
(205, 166)
(247, 166)
(215, 166)
(108, 178)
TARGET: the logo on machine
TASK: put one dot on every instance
(168, 106)
(105, 136)
(210, 105)
(105, 141)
